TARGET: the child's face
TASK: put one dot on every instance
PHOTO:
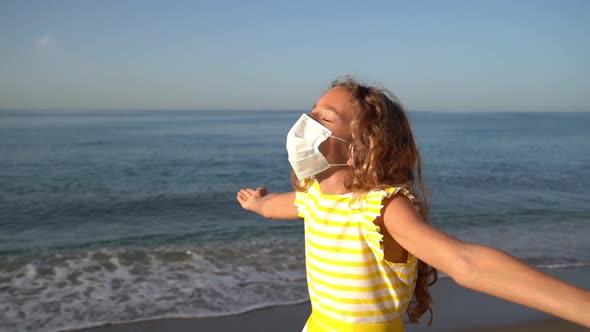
(334, 110)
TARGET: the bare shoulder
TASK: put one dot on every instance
(399, 207)
(401, 218)
(424, 241)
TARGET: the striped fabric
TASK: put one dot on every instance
(351, 286)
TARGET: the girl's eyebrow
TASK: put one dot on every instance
(327, 107)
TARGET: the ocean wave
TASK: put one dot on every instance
(59, 291)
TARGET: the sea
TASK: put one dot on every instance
(118, 216)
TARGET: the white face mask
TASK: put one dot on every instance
(303, 141)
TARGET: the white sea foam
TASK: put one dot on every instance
(59, 291)
(52, 293)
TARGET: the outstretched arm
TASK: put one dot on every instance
(483, 268)
(272, 206)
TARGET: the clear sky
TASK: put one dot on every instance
(434, 55)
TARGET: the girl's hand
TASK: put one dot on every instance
(271, 206)
(251, 199)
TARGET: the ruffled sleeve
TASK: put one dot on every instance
(372, 209)
(300, 203)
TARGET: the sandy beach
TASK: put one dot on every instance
(456, 309)
(289, 318)
(540, 326)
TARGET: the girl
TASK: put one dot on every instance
(370, 252)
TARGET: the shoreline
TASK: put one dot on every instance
(290, 317)
(456, 309)
(550, 325)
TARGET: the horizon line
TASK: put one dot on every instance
(73, 110)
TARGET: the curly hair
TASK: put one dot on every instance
(384, 153)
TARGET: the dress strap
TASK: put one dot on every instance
(391, 191)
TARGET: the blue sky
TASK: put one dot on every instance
(279, 55)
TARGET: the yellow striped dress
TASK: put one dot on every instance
(351, 286)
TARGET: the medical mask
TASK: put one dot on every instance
(303, 142)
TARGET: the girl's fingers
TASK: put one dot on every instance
(246, 193)
(243, 196)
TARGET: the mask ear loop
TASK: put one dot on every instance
(340, 139)
(343, 140)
